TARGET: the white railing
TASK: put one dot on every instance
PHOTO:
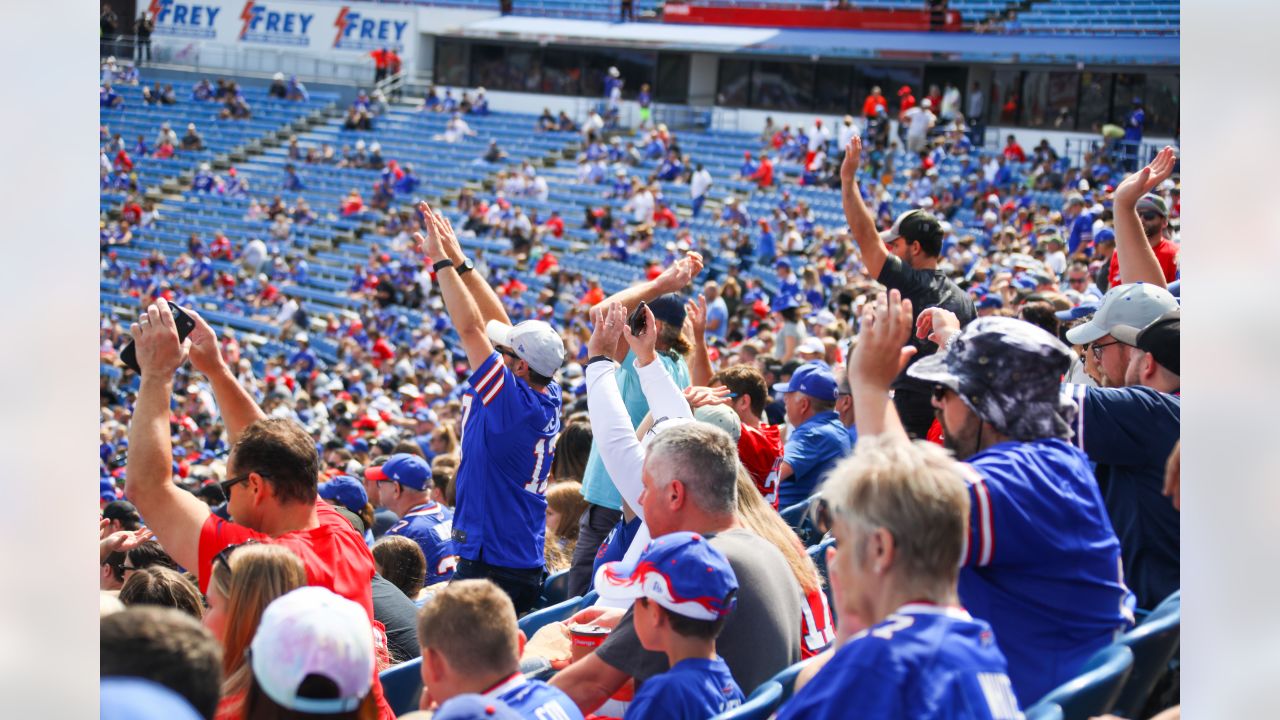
(211, 57)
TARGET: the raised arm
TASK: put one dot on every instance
(173, 514)
(461, 306)
(486, 300)
(1138, 261)
(610, 424)
(879, 357)
(673, 279)
(861, 223)
(235, 404)
(700, 362)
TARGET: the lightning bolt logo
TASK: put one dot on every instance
(247, 16)
(154, 10)
(341, 24)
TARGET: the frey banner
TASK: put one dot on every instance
(312, 27)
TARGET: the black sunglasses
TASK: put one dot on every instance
(229, 483)
(224, 556)
(1149, 215)
(507, 351)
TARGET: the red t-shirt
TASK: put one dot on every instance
(764, 173)
(556, 225)
(871, 104)
(760, 449)
(333, 553)
(1166, 254)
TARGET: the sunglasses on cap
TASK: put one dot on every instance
(1149, 215)
(224, 556)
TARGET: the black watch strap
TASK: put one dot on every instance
(441, 264)
(466, 267)
(599, 358)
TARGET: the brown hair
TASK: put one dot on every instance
(158, 585)
(566, 499)
(259, 706)
(165, 646)
(746, 380)
(572, 450)
(400, 562)
(472, 624)
(763, 520)
(251, 577)
(279, 450)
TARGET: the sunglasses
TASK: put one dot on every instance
(1149, 215)
(1078, 280)
(225, 555)
(940, 392)
(507, 351)
(229, 483)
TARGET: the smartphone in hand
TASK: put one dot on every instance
(637, 321)
(129, 356)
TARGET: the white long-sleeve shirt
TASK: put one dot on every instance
(700, 183)
(620, 450)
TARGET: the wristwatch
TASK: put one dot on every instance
(598, 358)
(466, 267)
(441, 264)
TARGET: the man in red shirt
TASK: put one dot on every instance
(271, 480)
(1013, 151)
(1155, 221)
(873, 103)
(759, 445)
(379, 64)
(763, 174)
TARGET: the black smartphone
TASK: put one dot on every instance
(637, 320)
(129, 356)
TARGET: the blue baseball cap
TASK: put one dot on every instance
(786, 302)
(783, 263)
(475, 707)
(410, 471)
(346, 490)
(681, 572)
(360, 445)
(107, 489)
(1104, 235)
(1024, 282)
(990, 301)
(1077, 312)
(814, 379)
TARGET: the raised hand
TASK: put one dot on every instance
(433, 243)
(681, 273)
(206, 355)
(608, 322)
(155, 338)
(881, 352)
(1132, 188)
(644, 345)
(698, 396)
(852, 160)
(937, 325)
(696, 317)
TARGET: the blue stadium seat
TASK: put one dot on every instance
(555, 589)
(532, 622)
(402, 685)
(760, 706)
(588, 600)
(819, 555)
(797, 517)
(1154, 643)
(1094, 691)
(1044, 711)
(785, 678)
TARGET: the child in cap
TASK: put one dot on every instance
(684, 591)
(312, 656)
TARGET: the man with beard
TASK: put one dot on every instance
(1155, 223)
(1041, 561)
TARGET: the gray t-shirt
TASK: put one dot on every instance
(763, 632)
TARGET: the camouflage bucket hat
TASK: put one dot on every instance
(1009, 372)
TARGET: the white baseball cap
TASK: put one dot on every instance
(812, 344)
(534, 341)
(1135, 305)
(312, 631)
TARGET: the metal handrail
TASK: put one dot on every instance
(213, 57)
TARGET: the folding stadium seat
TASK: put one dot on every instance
(563, 610)
(1154, 644)
(760, 706)
(402, 685)
(1095, 690)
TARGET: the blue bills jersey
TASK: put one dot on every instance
(509, 433)
(535, 700)
(694, 689)
(431, 526)
(923, 661)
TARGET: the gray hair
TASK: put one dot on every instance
(701, 456)
(917, 492)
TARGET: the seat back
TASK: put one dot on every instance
(1044, 711)
(762, 703)
(797, 517)
(1094, 691)
(786, 678)
(555, 589)
(1154, 644)
(532, 622)
(402, 685)
(819, 555)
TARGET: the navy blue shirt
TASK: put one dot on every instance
(811, 451)
(1130, 433)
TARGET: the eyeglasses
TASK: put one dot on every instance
(232, 482)
(1096, 349)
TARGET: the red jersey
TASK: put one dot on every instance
(871, 104)
(593, 297)
(764, 173)
(817, 631)
(556, 225)
(379, 59)
(1014, 152)
(545, 264)
(1166, 254)
(333, 553)
(665, 216)
(760, 449)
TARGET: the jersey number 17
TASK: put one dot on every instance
(545, 451)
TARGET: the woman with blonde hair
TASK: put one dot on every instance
(565, 506)
(817, 631)
(244, 580)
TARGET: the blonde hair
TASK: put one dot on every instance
(472, 624)
(764, 521)
(251, 577)
(566, 499)
(916, 491)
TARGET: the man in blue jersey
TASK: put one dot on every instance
(818, 441)
(1042, 562)
(510, 421)
(404, 487)
(899, 512)
(472, 644)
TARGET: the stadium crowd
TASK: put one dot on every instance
(927, 459)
